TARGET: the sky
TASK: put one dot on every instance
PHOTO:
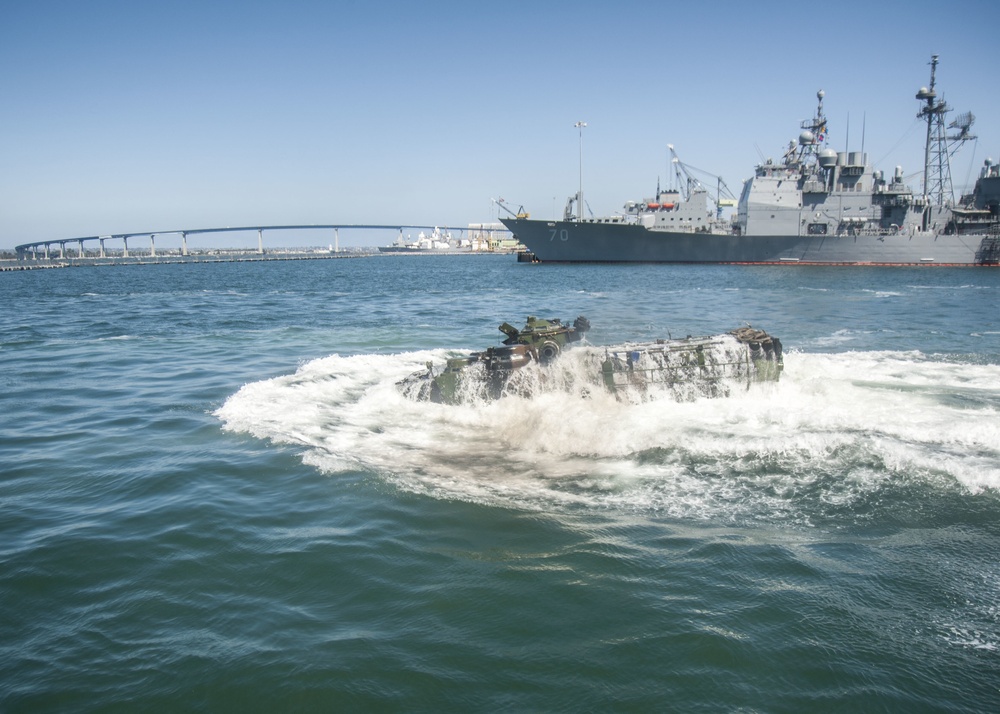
(129, 116)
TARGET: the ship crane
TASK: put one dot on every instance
(687, 181)
(520, 210)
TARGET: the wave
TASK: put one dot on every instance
(848, 436)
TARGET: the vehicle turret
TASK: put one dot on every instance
(545, 338)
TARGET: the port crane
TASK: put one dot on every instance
(687, 181)
(521, 213)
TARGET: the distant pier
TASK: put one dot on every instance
(207, 256)
(121, 248)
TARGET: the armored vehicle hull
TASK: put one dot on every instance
(543, 358)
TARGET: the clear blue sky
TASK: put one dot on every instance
(134, 116)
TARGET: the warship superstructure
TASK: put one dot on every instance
(815, 206)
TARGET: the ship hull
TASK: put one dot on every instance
(585, 242)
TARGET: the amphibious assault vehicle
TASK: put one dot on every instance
(543, 357)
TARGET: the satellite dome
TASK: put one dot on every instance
(827, 158)
(806, 137)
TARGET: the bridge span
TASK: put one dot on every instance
(30, 251)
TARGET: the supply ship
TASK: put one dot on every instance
(816, 206)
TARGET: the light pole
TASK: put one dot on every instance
(579, 197)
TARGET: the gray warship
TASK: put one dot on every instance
(815, 206)
(537, 358)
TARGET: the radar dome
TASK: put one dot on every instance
(806, 137)
(827, 158)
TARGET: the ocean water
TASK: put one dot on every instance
(214, 498)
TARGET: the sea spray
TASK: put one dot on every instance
(836, 430)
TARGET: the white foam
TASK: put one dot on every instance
(836, 428)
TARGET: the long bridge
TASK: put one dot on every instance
(30, 251)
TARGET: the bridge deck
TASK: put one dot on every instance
(25, 248)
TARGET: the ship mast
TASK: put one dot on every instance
(579, 197)
(937, 167)
(813, 132)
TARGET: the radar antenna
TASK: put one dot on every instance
(963, 122)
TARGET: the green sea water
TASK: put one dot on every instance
(214, 498)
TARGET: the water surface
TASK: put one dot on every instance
(214, 496)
